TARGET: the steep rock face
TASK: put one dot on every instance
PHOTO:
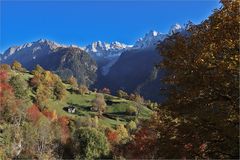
(105, 54)
(135, 70)
(132, 72)
(149, 40)
(103, 49)
(153, 88)
(29, 53)
(152, 38)
(76, 62)
(64, 60)
(118, 66)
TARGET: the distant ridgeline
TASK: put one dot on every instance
(116, 66)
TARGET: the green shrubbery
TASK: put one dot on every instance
(89, 143)
(132, 111)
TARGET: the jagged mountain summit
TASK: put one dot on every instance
(153, 37)
(105, 54)
(149, 40)
(30, 51)
(44, 46)
(176, 28)
(103, 49)
(135, 70)
(96, 49)
(64, 60)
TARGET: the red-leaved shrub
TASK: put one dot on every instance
(33, 113)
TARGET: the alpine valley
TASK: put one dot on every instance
(114, 65)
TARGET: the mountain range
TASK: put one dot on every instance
(113, 65)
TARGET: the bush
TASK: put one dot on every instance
(131, 126)
(35, 81)
(20, 87)
(6, 67)
(82, 89)
(89, 143)
(112, 136)
(8, 101)
(122, 133)
(17, 66)
(51, 115)
(122, 94)
(47, 85)
(59, 90)
(137, 98)
(33, 113)
(64, 122)
(99, 104)
(132, 111)
(43, 93)
(87, 121)
(38, 70)
(132, 97)
(73, 82)
(105, 91)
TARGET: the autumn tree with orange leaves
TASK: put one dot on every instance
(202, 68)
(200, 118)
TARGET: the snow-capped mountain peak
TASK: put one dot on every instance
(153, 37)
(153, 33)
(11, 50)
(118, 45)
(49, 43)
(108, 51)
(105, 49)
(175, 28)
(150, 39)
(97, 46)
(32, 49)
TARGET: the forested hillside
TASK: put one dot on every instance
(43, 117)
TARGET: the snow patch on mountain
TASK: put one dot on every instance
(175, 29)
(149, 40)
(32, 49)
(109, 52)
(152, 38)
(106, 50)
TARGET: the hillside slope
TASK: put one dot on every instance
(65, 61)
(134, 71)
(116, 111)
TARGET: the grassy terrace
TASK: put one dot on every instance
(115, 113)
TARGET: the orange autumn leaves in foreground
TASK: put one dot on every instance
(7, 98)
(34, 114)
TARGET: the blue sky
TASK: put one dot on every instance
(82, 22)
